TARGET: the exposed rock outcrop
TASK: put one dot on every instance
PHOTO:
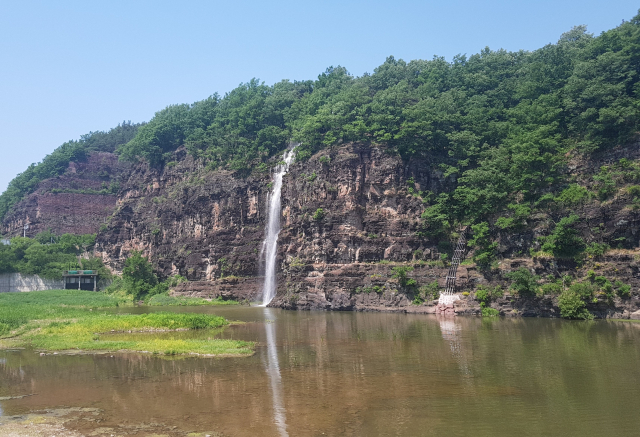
(78, 202)
(350, 217)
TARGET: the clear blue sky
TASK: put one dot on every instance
(70, 67)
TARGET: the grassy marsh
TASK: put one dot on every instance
(59, 320)
(164, 300)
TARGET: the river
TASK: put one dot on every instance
(353, 374)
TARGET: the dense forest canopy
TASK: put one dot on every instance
(500, 123)
(57, 162)
(48, 255)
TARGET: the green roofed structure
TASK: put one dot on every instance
(80, 280)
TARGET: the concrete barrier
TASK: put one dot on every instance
(11, 282)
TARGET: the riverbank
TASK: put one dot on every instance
(77, 320)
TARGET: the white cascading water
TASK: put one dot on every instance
(270, 244)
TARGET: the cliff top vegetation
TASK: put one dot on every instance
(48, 255)
(501, 124)
(57, 162)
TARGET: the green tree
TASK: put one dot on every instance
(523, 281)
(485, 252)
(564, 241)
(138, 275)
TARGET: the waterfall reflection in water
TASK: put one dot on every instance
(351, 374)
(272, 367)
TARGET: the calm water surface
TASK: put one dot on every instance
(359, 374)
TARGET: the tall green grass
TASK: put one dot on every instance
(17, 309)
(165, 300)
(71, 320)
(94, 334)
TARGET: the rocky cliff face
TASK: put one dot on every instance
(349, 219)
(77, 202)
(206, 224)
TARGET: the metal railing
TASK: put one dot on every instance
(458, 256)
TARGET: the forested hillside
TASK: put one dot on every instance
(501, 124)
(57, 162)
(535, 152)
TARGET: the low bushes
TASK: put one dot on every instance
(523, 282)
(573, 301)
(166, 300)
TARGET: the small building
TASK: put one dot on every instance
(80, 280)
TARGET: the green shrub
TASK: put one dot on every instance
(430, 291)
(505, 222)
(605, 183)
(564, 240)
(523, 282)
(551, 288)
(572, 301)
(497, 292)
(634, 190)
(601, 280)
(483, 295)
(573, 195)
(609, 289)
(622, 289)
(325, 159)
(485, 248)
(172, 281)
(490, 312)
(139, 278)
(318, 215)
(519, 214)
(596, 250)
(400, 273)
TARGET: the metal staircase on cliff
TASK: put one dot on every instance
(448, 296)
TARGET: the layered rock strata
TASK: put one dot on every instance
(350, 218)
(78, 202)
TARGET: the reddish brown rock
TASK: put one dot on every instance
(77, 202)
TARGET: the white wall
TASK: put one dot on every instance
(18, 282)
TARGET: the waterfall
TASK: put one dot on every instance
(270, 243)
